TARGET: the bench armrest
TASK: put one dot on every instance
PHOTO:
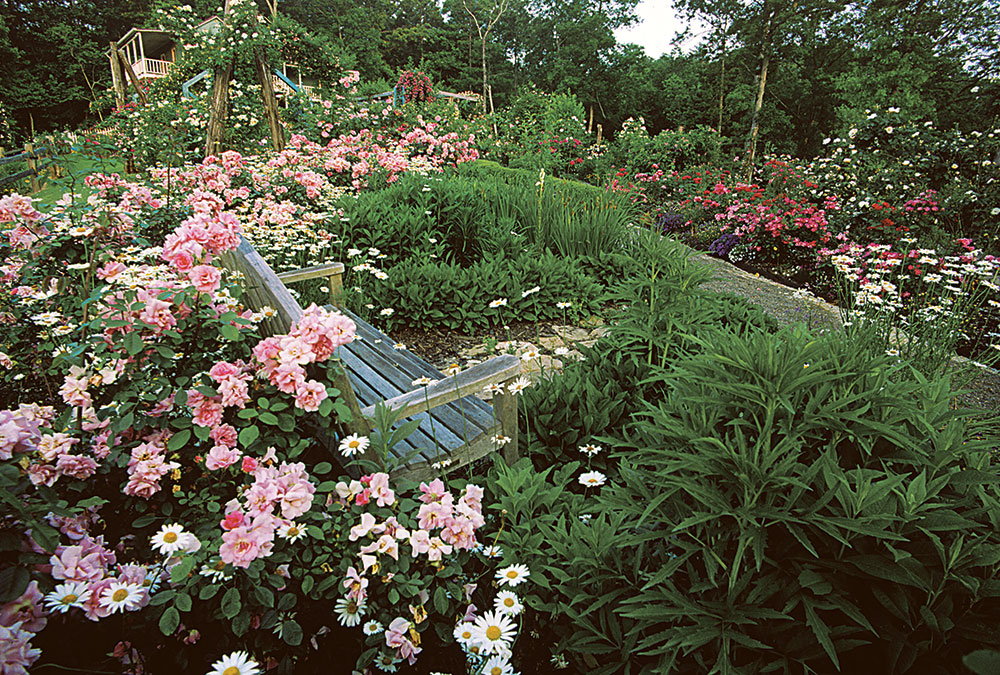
(332, 271)
(498, 369)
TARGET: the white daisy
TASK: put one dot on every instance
(422, 382)
(72, 594)
(500, 440)
(291, 532)
(513, 575)
(493, 632)
(119, 597)
(590, 449)
(508, 603)
(492, 551)
(453, 369)
(499, 302)
(237, 663)
(463, 633)
(497, 664)
(372, 627)
(353, 445)
(169, 539)
(387, 662)
(349, 611)
(519, 385)
(216, 571)
(592, 479)
(564, 305)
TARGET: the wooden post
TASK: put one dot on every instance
(505, 411)
(219, 103)
(127, 67)
(270, 100)
(600, 132)
(29, 149)
(117, 78)
(336, 283)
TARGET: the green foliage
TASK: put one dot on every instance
(808, 506)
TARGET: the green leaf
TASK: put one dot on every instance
(181, 570)
(13, 582)
(264, 595)
(132, 343)
(231, 603)
(291, 632)
(821, 631)
(183, 602)
(90, 501)
(169, 621)
(307, 583)
(248, 435)
(162, 598)
(268, 418)
(241, 624)
(322, 467)
(983, 662)
(208, 592)
(230, 332)
(441, 601)
(179, 440)
(286, 602)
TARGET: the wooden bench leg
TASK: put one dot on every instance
(505, 411)
(336, 284)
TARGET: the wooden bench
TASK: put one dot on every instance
(456, 428)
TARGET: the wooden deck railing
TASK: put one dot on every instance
(152, 68)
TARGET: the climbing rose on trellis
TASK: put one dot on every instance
(416, 85)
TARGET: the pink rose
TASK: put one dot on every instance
(219, 457)
(309, 395)
(205, 278)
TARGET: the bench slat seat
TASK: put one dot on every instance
(455, 425)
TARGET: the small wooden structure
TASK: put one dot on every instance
(456, 428)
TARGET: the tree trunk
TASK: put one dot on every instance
(219, 103)
(269, 99)
(722, 90)
(765, 59)
(755, 120)
(484, 73)
(117, 77)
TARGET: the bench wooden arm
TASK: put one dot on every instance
(496, 370)
(333, 272)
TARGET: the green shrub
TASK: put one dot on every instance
(819, 510)
(448, 296)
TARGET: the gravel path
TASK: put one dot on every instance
(982, 385)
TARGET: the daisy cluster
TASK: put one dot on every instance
(441, 526)
(487, 639)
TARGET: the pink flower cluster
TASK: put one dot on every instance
(312, 339)
(90, 562)
(277, 496)
(455, 521)
(191, 247)
(20, 619)
(147, 465)
(51, 454)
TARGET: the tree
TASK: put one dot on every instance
(485, 18)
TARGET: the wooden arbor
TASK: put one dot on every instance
(456, 428)
(219, 103)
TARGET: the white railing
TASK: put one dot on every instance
(151, 68)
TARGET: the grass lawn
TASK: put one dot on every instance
(76, 165)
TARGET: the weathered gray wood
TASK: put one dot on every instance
(127, 67)
(477, 448)
(218, 105)
(117, 78)
(470, 381)
(463, 420)
(505, 409)
(29, 151)
(263, 287)
(314, 272)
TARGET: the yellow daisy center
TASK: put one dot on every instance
(512, 574)
(293, 531)
(119, 595)
(495, 670)
(220, 565)
(353, 444)
(466, 635)
(493, 633)
(508, 602)
(69, 599)
(231, 670)
(170, 537)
